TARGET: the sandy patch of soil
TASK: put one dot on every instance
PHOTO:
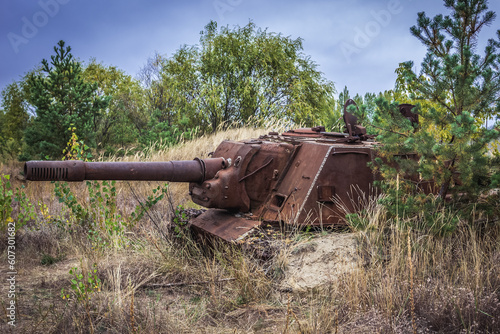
(321, 260)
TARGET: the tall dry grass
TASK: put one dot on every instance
(203, 283)
(414, 281)
(174, 283)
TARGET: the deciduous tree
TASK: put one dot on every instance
(237, 74)
(120, 123)
(13, 120)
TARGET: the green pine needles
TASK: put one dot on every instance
(455, 92)
(61, 99)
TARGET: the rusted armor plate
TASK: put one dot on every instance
(223, 224)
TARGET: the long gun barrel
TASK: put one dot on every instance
(196, 170)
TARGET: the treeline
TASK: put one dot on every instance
(231, 77)
(246, 75)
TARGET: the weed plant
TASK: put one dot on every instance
(115, 258)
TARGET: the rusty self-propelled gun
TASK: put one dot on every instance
(289, 178)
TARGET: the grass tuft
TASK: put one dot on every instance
(155, 278)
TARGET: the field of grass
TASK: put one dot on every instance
(88, 265)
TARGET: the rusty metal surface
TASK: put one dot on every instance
(223, 224)
(319, 172)
(54, 170)
(405, 110)
(289, 197)
(347, 170)
(225, 190)
(309, 132)
(243, 186)
(74, 170)
(352, 128)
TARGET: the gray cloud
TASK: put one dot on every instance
(126, 33)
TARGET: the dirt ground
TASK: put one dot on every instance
(309, 264)
(320, 261)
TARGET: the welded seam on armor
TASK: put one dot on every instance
(313, 183)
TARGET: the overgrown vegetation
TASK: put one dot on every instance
(152, 276)
(117, 256)
(449, 151)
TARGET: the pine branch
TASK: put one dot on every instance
(391, 131)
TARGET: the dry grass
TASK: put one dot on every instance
(176, 284)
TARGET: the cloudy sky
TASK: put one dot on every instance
(356, 43)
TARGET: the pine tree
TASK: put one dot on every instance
(62, 100)
(464, 87)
